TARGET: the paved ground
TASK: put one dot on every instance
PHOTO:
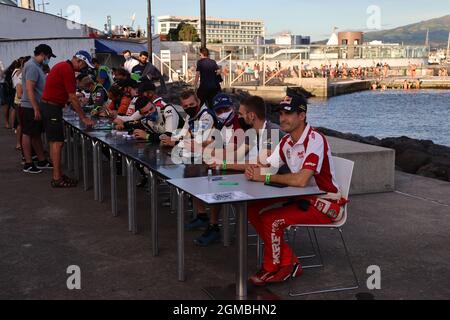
(43, 231)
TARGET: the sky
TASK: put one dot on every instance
(304, 17)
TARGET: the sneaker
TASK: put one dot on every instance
(198, 223)
(211, 235)
(34, 158)
(285, 273)
(259, 279)
(44, 165)
(31, 168)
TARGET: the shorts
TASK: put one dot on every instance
(30, 127)
(52, 118)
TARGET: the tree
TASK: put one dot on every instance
(187, 32)
(173, 35)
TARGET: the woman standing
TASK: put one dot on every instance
(17, 85)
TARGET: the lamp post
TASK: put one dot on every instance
(149, 30)
(203, 22)
(43, 4)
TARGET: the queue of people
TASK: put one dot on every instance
(236, 137)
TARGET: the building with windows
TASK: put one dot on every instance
(218, 30)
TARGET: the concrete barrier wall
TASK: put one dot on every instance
(374, 170)
(20, 23)
(63, 48)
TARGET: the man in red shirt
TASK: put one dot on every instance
(308, 156)
(60, 89)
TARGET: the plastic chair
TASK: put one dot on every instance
(344, 172)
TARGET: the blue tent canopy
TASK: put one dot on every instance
(116, 47)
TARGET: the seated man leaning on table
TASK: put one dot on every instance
(159, 116)
(98, 96)
(198, 127)
(245, 146)
(308, 156)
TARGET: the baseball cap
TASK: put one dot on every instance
(293, 103)
(146, 86)
(46, 49)
(141, 102)
(222, 100)
(86, 57)
(128, 83)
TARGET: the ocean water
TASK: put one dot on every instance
(418, 114)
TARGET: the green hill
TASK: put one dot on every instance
(416, 33)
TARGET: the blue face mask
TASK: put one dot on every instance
(152, 116)
(46, 61)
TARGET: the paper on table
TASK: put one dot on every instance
(224, 196)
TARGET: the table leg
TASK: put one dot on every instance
(76, 155)
(226, 225)
(84, 157)
(259, 252)
(113, 176)
(153, 184)
(69, 149)
(242, 242)
(101, 193)
(132, 225)
(173, 199)
(95, 168)
(180, 235)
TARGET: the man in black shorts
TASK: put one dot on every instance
(33, 81)
(60, 89)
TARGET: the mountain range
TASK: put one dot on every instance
(415, 34)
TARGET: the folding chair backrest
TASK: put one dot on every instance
(344, 172)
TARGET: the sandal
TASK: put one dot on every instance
(62, 184)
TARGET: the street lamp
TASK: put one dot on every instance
(149, 30)
(203, 22)
(43, 4)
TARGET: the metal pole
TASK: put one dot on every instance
(203, 22)
(84, 163)
(113, 175)
(180, 236)
(76, 157)
(95, 168)
(153, 211)
(149, 29)
(132, 223)
(242, 242)
(226, 225)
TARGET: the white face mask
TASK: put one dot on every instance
(225, 116)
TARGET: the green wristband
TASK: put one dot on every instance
(268, 177)
(147, 137)
(224, 166)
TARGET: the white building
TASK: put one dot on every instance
(226, 31)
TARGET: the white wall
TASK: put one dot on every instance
(62, 48)
(19, 23)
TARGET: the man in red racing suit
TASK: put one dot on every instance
(307, 155)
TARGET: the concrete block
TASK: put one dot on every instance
(374, 166)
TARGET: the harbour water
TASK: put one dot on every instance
(418, 114)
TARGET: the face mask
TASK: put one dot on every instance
(46, 61)
(128, 58)
(225, 118)
(244, 124)
(191, 112)
(152, 116)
